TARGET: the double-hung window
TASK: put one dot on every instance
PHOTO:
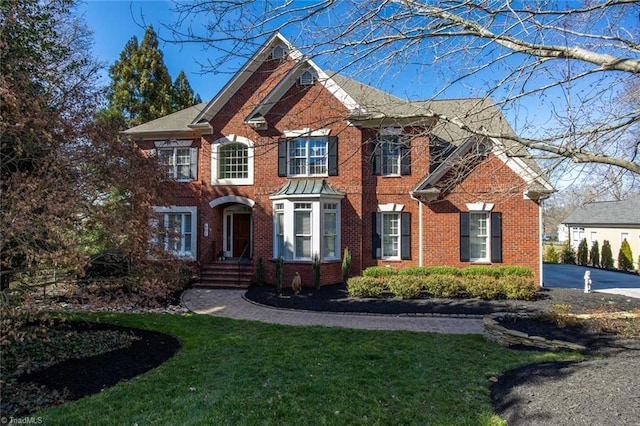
(308, 156)
(179, 159)
(392, 155)
(176, 230)
(330, 246)
(391, 233)
(481, 234)
(303, 231)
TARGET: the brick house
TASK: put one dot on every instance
(290, 161)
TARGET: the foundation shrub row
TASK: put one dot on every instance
(483, 282)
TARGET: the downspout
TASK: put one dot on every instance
(420, 230)
(540, 233)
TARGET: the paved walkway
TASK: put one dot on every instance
(231, 304)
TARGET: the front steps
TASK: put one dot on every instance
(226, 274)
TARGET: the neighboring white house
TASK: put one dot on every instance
(608, 220)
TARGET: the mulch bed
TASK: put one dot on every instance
(335, 298)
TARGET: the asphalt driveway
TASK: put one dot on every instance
(605, 281)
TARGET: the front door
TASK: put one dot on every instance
(241, 235)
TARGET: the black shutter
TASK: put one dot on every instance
(376, 242)
(465, 250)
(282, 157)
(405, 157)
(405, 236)
(496, 237)
(333, 156)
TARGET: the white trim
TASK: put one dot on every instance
(480, 206)
(194, 226)
(227, 232)
(215, 149)
(390, 207)
(306, 132)
(172, 143)
(232, 199)
(420, 232)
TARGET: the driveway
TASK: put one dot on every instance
(605, 281)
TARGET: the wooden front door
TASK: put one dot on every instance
(241, 235)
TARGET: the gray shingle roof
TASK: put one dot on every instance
(176, 122)
(626, 212)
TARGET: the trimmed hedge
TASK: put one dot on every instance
(479, 281)
(365, 287)
(405, 286)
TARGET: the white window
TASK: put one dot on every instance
(479, 236)
(390, 235)
(232, 161)
(594, 237)
(181, 163)
(624, 236)
(330, 248)
(390, 154)
(303, 228)
(307, 156)
(176, 230)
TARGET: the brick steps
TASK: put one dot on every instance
(227, 274)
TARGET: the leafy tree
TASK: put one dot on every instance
(551, 255)
(583, 252)
(568, 255)
(183, 96)
(567, 58)
(607, 255)
(625, 257)
(46, 100)
(594, 255)
(141, 86)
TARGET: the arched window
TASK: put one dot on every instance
(232, 161)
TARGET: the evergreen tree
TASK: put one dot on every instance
(568, 255)
(607, 255)
(625, 258)
(594, 255)
(141, 86)
(583, 252)
(183, 96)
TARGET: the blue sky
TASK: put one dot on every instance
(114, 22)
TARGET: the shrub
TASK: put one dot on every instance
(365, 286)
(483, 287)
(518, 287)
(568, 255)
(379, 271)
(316, 271)
(515, 270)
(481, 270)
(443, 270)
(625, 258)
(551, 255)
(583, 253)
(439, 285)
(279, 274)
(415, 271)
(594, 255)
(260, 271)
(405, 286)
(346, 264)
(607, 255)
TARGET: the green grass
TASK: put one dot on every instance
(232, 372)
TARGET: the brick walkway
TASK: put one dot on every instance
(231, 304)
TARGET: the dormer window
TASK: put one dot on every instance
(278, 52)
(307, 78)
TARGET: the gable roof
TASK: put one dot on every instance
(616, 213)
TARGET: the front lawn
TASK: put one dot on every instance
(239, 372)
